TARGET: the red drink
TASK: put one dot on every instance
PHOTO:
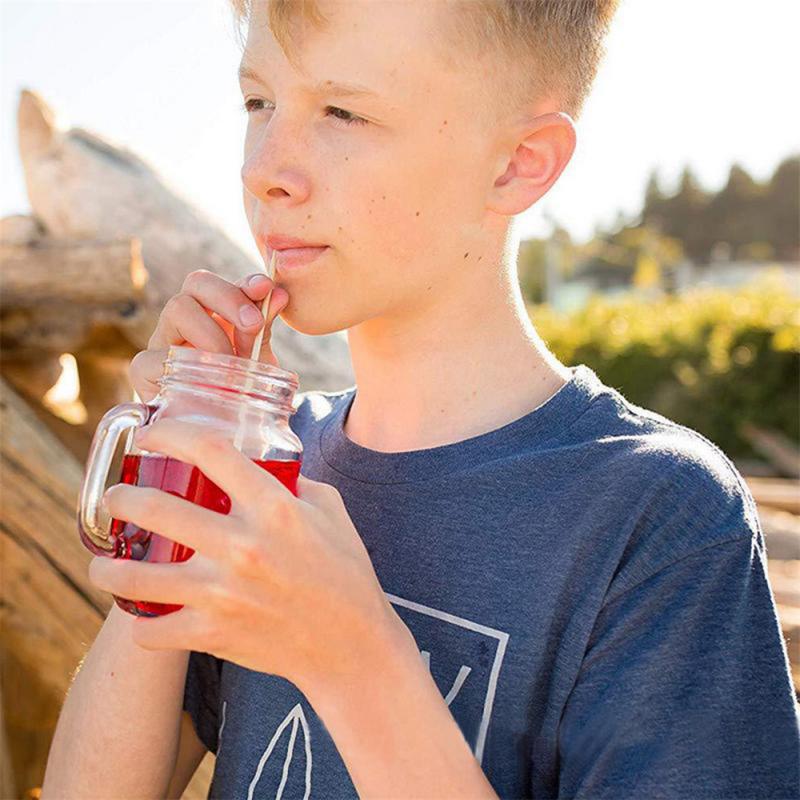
(183, 480)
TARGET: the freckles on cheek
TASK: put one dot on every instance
(390, 213)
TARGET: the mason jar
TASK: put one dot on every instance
(248, 401)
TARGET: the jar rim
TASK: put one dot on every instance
(245, 366)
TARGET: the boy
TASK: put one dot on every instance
(520, 583)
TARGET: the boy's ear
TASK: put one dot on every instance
(544, 146)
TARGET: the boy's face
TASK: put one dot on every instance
(400, 198)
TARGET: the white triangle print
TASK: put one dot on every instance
(297, 719)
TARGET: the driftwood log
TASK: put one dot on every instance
(68, 297)
(63, 274)
(56, 293)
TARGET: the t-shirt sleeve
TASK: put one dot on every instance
(684, 689)
(201, 697)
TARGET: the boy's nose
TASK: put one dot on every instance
(267, 180)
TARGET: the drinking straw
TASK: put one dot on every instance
(256, 351)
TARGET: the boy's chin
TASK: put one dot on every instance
(315, 324)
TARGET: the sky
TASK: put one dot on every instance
(700, 82)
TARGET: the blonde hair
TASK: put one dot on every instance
(547, 50)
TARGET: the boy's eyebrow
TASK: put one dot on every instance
(325, 87)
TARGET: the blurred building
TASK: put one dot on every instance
(573, 294)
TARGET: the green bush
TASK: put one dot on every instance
(710, 359)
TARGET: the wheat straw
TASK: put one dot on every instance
(256, 351)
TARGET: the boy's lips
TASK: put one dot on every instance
(292, 257)
(292, 253)
(277, 241)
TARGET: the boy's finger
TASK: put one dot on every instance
(259, 288)
(224, 298)
(244, 340)
(183, 319)
(255, 286)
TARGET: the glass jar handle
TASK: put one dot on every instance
(115, 422)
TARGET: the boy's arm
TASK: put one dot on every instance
(191, 751)
(122, 710)
(394, 730)
(684, 689)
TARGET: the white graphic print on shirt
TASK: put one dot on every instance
(469, 693)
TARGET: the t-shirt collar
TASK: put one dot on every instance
(547, 422)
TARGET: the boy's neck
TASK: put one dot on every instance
(453, 368)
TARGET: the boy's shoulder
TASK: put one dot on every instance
(669, 452)
(689, 496)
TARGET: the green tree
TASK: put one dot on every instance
(782, 201)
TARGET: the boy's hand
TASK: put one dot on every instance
(281, 584)
(205, 315)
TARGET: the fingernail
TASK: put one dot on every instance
(249, 315)
(257, 278)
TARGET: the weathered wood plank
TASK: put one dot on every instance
(778, 449)
(63, 272)
(782, 493)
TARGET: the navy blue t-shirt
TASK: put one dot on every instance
(587, 586)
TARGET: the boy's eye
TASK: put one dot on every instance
(252, 105)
